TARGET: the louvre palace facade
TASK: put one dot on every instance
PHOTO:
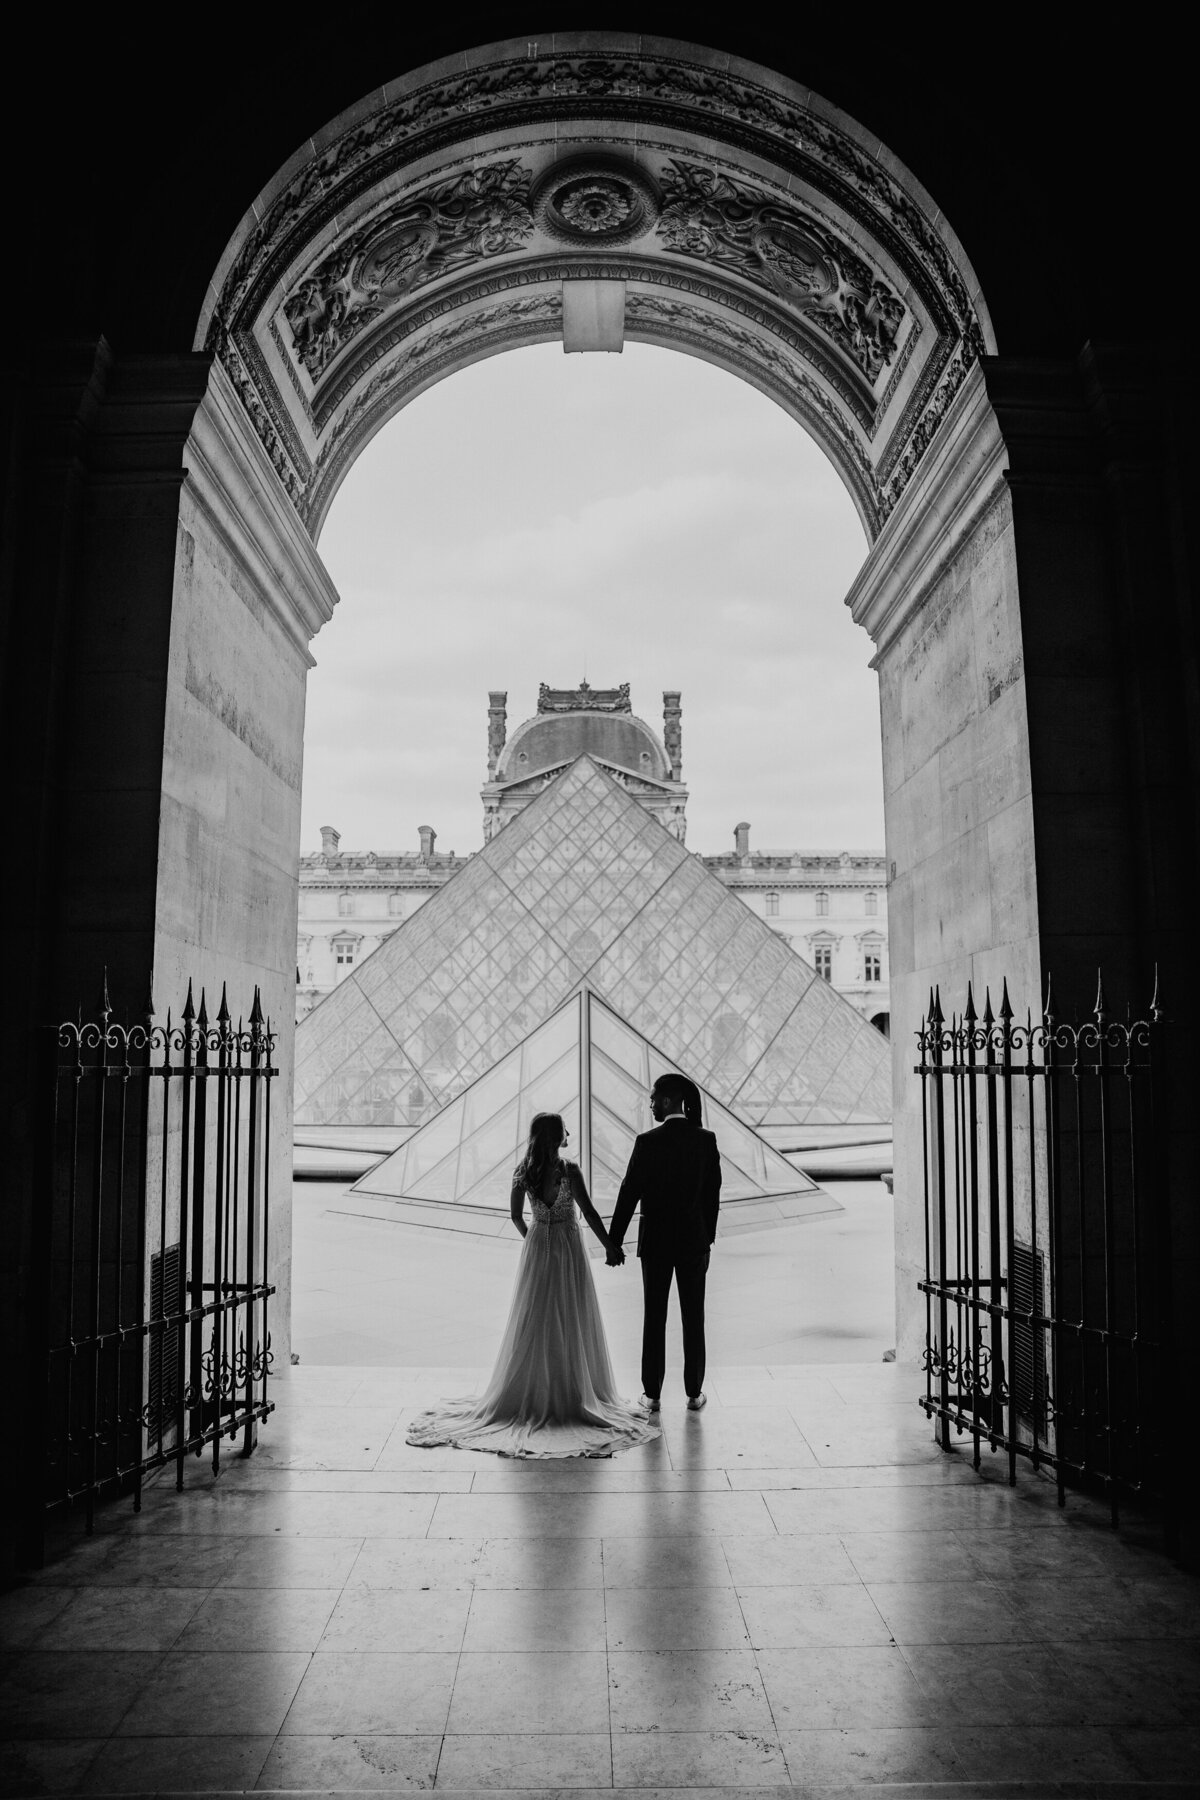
(830, 907)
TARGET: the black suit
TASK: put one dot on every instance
(675, 1171)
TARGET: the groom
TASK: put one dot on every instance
(675, 1171)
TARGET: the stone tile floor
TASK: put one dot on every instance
(792, 1590)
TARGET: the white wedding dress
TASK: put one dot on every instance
(552, 1391)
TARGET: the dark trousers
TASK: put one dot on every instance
(688, 1273)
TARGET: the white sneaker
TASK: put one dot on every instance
(652, 1405)
(696, 1401)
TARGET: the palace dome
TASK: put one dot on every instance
(551, 739)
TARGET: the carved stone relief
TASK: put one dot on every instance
(847, 323)
(596, 201)
(709, 216)
(480, 214)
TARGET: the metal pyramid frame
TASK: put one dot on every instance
(591, 1066)
(586, 886)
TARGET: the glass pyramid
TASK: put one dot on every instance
(466, 1154)
(585, 885)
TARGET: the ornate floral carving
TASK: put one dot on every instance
(710, 216)
(584, 699)
(480, 214)
(595, 201)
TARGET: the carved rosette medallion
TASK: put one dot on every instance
(597, 201)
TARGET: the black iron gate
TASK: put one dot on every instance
(154, 1245)
(1047, 1243)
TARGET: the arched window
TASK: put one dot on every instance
(822, 905)
(772, 906)
(871, 903)
(345, 906)
(396, 905)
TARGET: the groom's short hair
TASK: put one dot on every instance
(676, 1089)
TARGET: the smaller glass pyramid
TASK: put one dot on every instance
(591, 1066)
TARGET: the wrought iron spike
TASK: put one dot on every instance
(189, 1005)
(1006, 1011)
(256, 1011)
(104, 1006)
(223, 1009)
(150, 993)
(1156, 1008)
(202, 1015)
(970, 1015)
(938, 1015)
(1100, 1008)
(989, 1017)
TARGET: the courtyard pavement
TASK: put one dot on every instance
(791, 1591)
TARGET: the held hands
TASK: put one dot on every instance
(614, 1256)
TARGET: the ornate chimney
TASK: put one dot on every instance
(330, 839)
(673, 733)
(741, 838)
(428, 839)
(497, 723)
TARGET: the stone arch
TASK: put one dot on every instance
(653, 190)
(727, 212)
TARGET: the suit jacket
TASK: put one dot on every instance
(675, 1171)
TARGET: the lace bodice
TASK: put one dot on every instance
(562, 1210)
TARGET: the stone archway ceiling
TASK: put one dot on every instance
(751, 224)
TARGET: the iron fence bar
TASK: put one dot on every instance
(199, 1148)
(1006, 1047)
(939, 1140)
(995, 1327)
(109, 1340)
(1079, 1363)
(970, 1023)
(220, 1200)
(188, 1045)
(1106, 1215)
(93, 1410)
(1159, 1219)
(1054, 1224)
(1030, 1070)
(267, 1043)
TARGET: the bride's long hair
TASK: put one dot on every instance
(545, 1141)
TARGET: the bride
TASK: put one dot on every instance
(552, 1391)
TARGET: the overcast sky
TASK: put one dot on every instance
(642, 518)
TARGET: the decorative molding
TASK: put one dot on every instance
(708, 215)
(960, 479)
(593, 200)
(824, 294)
(584, 699)
(232, 481)
(480, 214)
(572, 86)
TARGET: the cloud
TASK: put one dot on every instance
(645, 518)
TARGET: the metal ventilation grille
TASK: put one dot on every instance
(166, 1300)
(1027, 1290)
